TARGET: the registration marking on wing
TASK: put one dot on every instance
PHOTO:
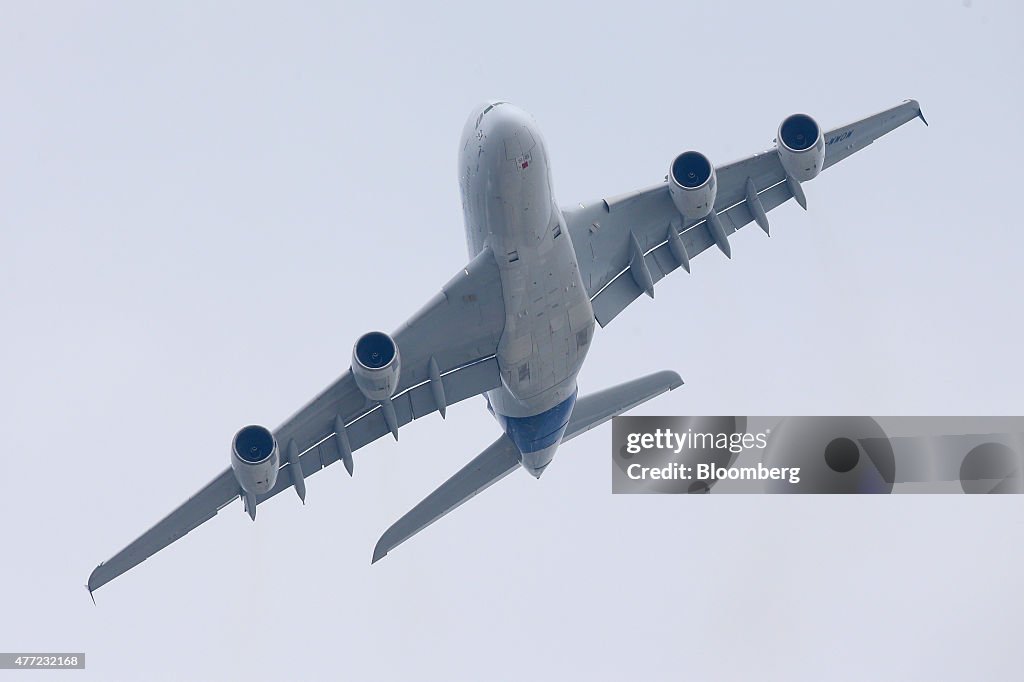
(839, 138)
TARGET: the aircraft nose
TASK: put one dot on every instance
(503, 118)
(512, 126)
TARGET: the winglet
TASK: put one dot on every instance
(92, 583)
(920, 114)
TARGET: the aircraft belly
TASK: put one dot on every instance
(509, 206)
(538, 350)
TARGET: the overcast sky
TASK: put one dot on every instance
(202, 207)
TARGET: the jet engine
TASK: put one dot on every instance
(692, 184)
(375, 365)
(801, 147)
(255, 459)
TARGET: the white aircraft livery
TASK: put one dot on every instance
(516, 323)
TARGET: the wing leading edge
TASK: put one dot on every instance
(451, 342)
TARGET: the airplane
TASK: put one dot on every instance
(515, 324)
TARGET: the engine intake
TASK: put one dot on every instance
(692, 183)
(801, 147)
(376, 365)
(255, 459)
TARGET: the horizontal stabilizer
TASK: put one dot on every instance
(597, 408)
(502, 457)
(489, 467)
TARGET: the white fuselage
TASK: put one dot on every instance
(509, 205)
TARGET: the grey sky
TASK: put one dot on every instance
(202, 207)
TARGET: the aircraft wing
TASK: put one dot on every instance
(452, 339)
(603, 231)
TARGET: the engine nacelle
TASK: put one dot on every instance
(801, 147)
(693, 185)
(375, 365)
(255, 459)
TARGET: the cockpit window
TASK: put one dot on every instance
(491, 106)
